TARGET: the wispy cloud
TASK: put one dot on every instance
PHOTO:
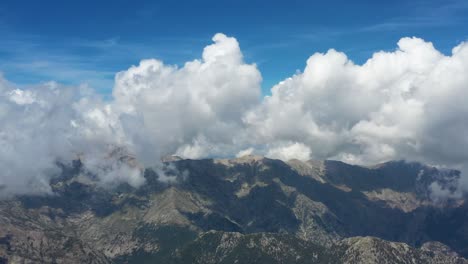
(422, 14)
(28, 59)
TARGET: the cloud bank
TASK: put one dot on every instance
(405, 104)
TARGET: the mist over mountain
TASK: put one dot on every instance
(249, 210)
(402, 104)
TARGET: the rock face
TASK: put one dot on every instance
(245, 210)
(221, 247)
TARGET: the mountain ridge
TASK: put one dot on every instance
(319, 203)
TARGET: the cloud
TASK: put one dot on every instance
(391, 107)
(157, 109)
(290, 151)
(245, 152)
(194, 111)
(51, 124)
(403, 104)
(33, 135)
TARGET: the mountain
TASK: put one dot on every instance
(245, 210)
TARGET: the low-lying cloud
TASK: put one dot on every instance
(405, 104)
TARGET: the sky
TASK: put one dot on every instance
(358, 82)
(76, 42)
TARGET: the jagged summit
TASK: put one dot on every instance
(247, 159)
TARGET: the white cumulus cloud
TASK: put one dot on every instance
(403, 104)
(195, 110)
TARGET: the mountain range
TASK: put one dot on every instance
(245, 210)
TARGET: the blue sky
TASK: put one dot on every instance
(89, 41)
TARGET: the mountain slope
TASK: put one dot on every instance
(314, 208)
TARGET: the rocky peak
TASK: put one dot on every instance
(247, 159)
